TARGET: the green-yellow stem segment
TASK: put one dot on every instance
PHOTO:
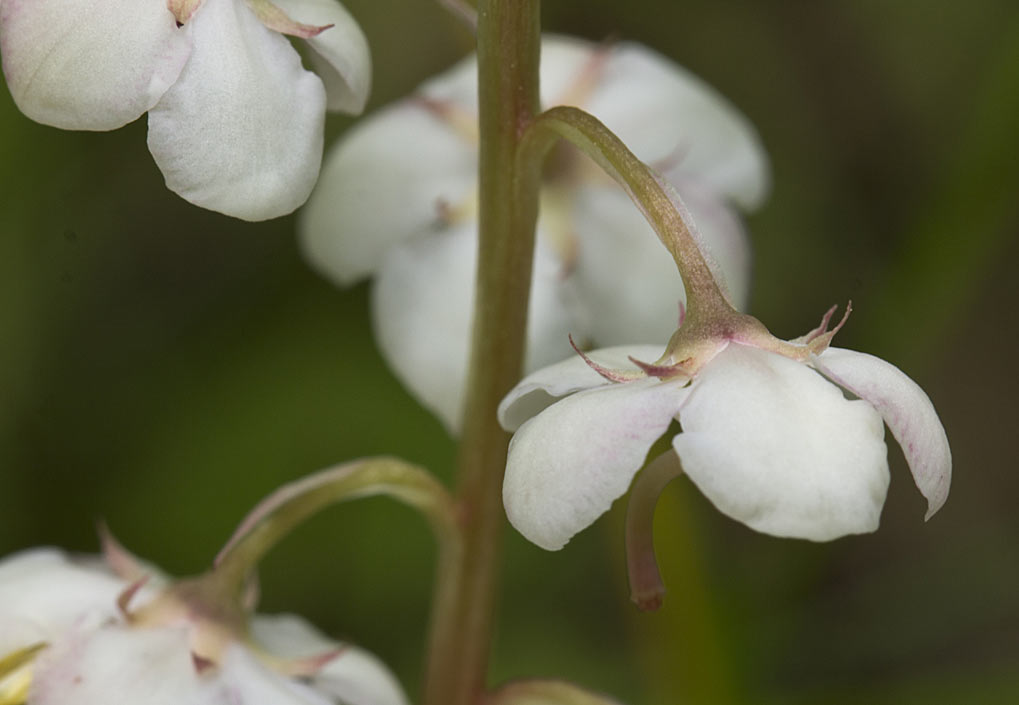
(652, 195)
(291, 505)
(463, 614)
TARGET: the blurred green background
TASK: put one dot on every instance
(163, 367)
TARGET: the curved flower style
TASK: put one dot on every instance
(767, 434)
(397, 200)
(69, 633)
(235, 122)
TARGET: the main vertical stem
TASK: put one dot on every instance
(508, 56)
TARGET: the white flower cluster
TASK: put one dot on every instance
(74, 631)
(235, 121)
(784, 436)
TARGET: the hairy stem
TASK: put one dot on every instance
(508, 49)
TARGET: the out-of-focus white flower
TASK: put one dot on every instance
(768, 434)
(74, 631)
(235, 122)
(397, 200)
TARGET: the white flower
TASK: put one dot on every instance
(235, 122)
(397, 200)
(71, 633)
(772, 441)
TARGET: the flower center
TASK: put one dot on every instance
(214, 620)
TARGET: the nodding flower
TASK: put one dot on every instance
(784, 436)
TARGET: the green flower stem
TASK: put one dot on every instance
(648, 191)
(289, 506)
(462, 618)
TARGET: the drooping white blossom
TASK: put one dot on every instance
(397, 201)
(772, 441)
(235, 121)
(74, 631)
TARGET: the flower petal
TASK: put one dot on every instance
(552, 312)
(422, 308)
(354, 676)
(679, 124)
(342, 58)
(289, 637)
(359, 678)
(457, 85)
(92, 662)
(906, 409)
(540, 389)
(564, 60)
(616, 243)
(570, 462)
(241, 130)
(569, 65)
(774, 445)
(85, 65)
(155, 666)
(387, 178)
(666, 115)
(44, 588)
(243, 678)
(669, 117)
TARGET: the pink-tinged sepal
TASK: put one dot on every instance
(124, 598)
(122, 562)
(820, 338)
(305, 667)
(822, 328)
(612, 375)
(907, 410)
(540, 389)
(652, 369)
(277, 20)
